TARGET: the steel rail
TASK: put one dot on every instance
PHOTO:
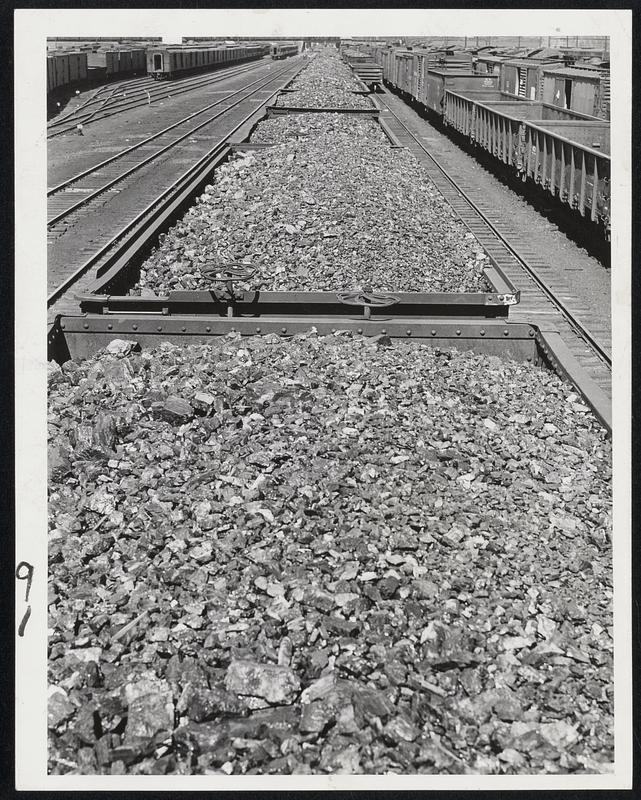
(163, 93)
(165, 198)
(576, 324)
(100, 190)
(120, 88)
(93, 98)
(98, 95)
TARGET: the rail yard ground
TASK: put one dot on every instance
(338, 554)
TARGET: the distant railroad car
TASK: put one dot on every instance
(125, 61)
(436, 82)
(524, 77)
(283, 50)
(104, 63)
(488, 64)
(169, 61)
(65, 70)
(584, 90)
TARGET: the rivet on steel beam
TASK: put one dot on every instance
(257, 330)
(183, 329)
(482, 331)
(85, 325)
(384, 331)
(531, 333)
(159, 328)
(433, 332)
(283, 330)
(208, 329)
(333, 330)
(63, 325)
(506, 332)
(408, 332)
(458, 332)
(109, 326)
(359, 331)
(135, 327)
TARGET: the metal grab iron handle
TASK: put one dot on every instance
(368, 299)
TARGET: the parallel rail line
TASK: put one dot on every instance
(110, 106)
(126, 236)
(63, 198)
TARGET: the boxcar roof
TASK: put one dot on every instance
(574, 72)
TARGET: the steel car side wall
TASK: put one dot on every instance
(80, 337)
(578, 175)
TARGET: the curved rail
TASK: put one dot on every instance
(162, 92)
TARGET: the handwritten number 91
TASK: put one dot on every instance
(24, 572)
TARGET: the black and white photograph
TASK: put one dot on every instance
(335, 423)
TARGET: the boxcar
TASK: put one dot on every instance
(65, 69)
(583, 90)
(488, 64)
(436, 82)
(524, 77)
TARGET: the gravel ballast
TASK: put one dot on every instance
(325, 555)
(326, 82)
(332, 207)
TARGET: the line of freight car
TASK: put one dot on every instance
(155, 92)
(547, 75)
(167, 62)
(564, 152)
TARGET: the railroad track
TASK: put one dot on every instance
(79, 190)
(110, 105)
(101, 96)
(80, 270)
(543, 300)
